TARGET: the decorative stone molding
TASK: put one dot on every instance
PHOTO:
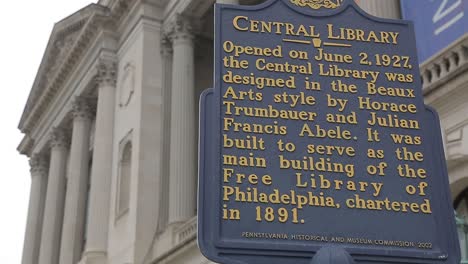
(124, 176)
(457, 145)
(63, 47)
(107, 72)
(182, 25)
(185, 232)
(181, 29)
(38, 164)
(26, 145)
(166, 47)
(59, 138)
(56, 53)
(120, 8)
(46, 87)
(127, 87)
(176, 239)
(445, 66)
(83, 108)
(195, 8)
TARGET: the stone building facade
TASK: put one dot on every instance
(110, 128)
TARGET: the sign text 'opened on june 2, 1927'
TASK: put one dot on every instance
(316, 135)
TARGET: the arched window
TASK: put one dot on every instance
(461, 204)
(123, 188)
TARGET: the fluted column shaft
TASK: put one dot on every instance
(167, 53)
(77, 185)
(182, 163)
(37, 196)
(55, 198)
(382, 8)
(101, 172)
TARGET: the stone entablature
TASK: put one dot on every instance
(191, 11)
(26, 145)
(457, 146)
(49, 81)
(444, 66)
(69, 42)
(444, 81)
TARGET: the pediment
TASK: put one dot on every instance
(62, 40)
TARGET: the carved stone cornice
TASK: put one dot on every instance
(59, 138)
(106, 72)
(120, 8)
(446, 65)
(194, 8)
(26, 145)
(47, 86)
(60, 44)
(83, 107)
(38, 164)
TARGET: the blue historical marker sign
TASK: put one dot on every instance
(316, 144)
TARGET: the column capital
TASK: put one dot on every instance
(181, 29)
(82, 107)
(59, 138)
(166, 47)
(38, 164)
(106, 72)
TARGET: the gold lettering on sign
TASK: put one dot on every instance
(294, 82)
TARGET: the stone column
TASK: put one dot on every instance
(232, 2)
(77, 184)
(183, 144)
(382, 8)
(167, 53)
(101, 172)
(32, 239)
(55, 198)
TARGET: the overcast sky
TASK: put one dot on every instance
(25, 27)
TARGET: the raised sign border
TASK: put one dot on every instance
(217, 249)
